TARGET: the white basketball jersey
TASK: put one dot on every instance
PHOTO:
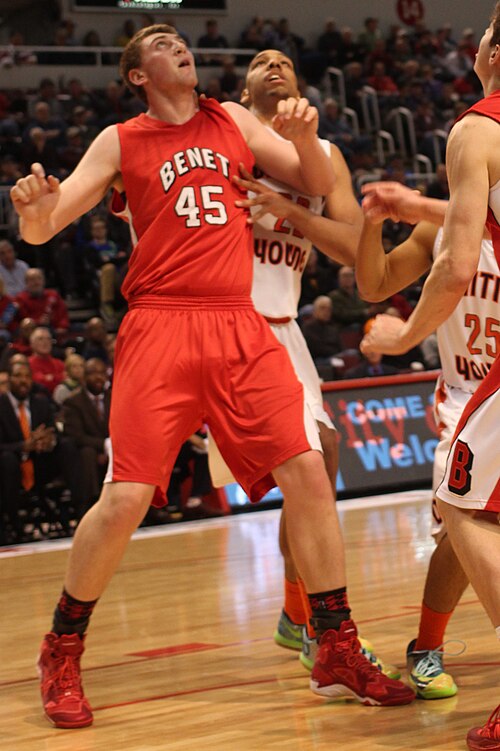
(281, 253)
(469, 340)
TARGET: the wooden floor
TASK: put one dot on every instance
(180, 655)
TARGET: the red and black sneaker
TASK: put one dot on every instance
(61, 685)
(487, 737)
(341, 670)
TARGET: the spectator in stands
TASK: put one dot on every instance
(458, 62)
(370, 34)
(113, 106)
(106, 264)
(355, 82)
(371, 366)
(70, 155)
(230, 82)
(317, 279)
(21, 344)
(253, 37)
(91, 39)
(54, 126)
(45, 306)
(47, 371)
(73, 379)
(38, 148)
(78, 96)
(335, 127)
(126, 34)
(12, 270)
(85, 419)
(383, 84)
(348, 309)
(321, 332)
(469, 44)
(8, 314)
(10, 170)
(95, 345)
(12, 56)
(48, 93)
(439, 188)
(31, 453)
(329, 43)
(212, 39)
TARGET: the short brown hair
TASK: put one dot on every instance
(131, 57)
(495, 20)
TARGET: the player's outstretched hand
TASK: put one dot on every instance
(35, 196)
(295, 119)
(266, 200)
(384, 336)
(390, 200)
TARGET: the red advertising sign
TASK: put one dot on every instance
(410, 12)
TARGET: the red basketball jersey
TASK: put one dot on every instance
(489, 107)
(189, 237)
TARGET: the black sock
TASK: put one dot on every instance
(72, 616)
(329, 609)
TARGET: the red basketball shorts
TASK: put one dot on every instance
(212, 361)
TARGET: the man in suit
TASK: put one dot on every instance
(85, 417)
(31, 453)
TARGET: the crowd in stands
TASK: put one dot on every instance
(60, 368)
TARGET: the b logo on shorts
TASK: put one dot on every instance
(460, 477)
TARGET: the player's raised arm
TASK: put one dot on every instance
(45, 207)
(303, 165)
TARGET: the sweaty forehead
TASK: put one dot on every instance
(149, 40)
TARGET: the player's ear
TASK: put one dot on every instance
(245, 96)
(136, 77)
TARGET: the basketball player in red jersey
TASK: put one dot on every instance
(213, 358)
(470, 491)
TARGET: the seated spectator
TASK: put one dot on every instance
(12, 270)
(8, 313)
(320, 332)
(370, 367)
(335, 128)
(21, 343)
(70, 154)
(348, 309)
(53, 126)
(85, 419)
(106, 264)
(38, 149)
(45, 306)
(31, 452)
(13, 56)
(96, 341)
(10, 170)
(212, 39)
(48, 371)
(370, 34)
(73, 379)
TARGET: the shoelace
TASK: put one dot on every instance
(371, 657)
(357, 659)
(68, 675)
(492, 726)
(432, 659)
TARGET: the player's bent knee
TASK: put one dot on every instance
(128, 500)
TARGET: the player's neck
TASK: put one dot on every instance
(491, 85)
(176, 109)
(265, 116)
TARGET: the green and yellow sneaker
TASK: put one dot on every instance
(288, 634)
(426, 673)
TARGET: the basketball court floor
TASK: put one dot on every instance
(180, 654)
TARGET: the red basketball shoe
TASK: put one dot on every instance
(340, 670)
(62, 694)
(486, 738)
